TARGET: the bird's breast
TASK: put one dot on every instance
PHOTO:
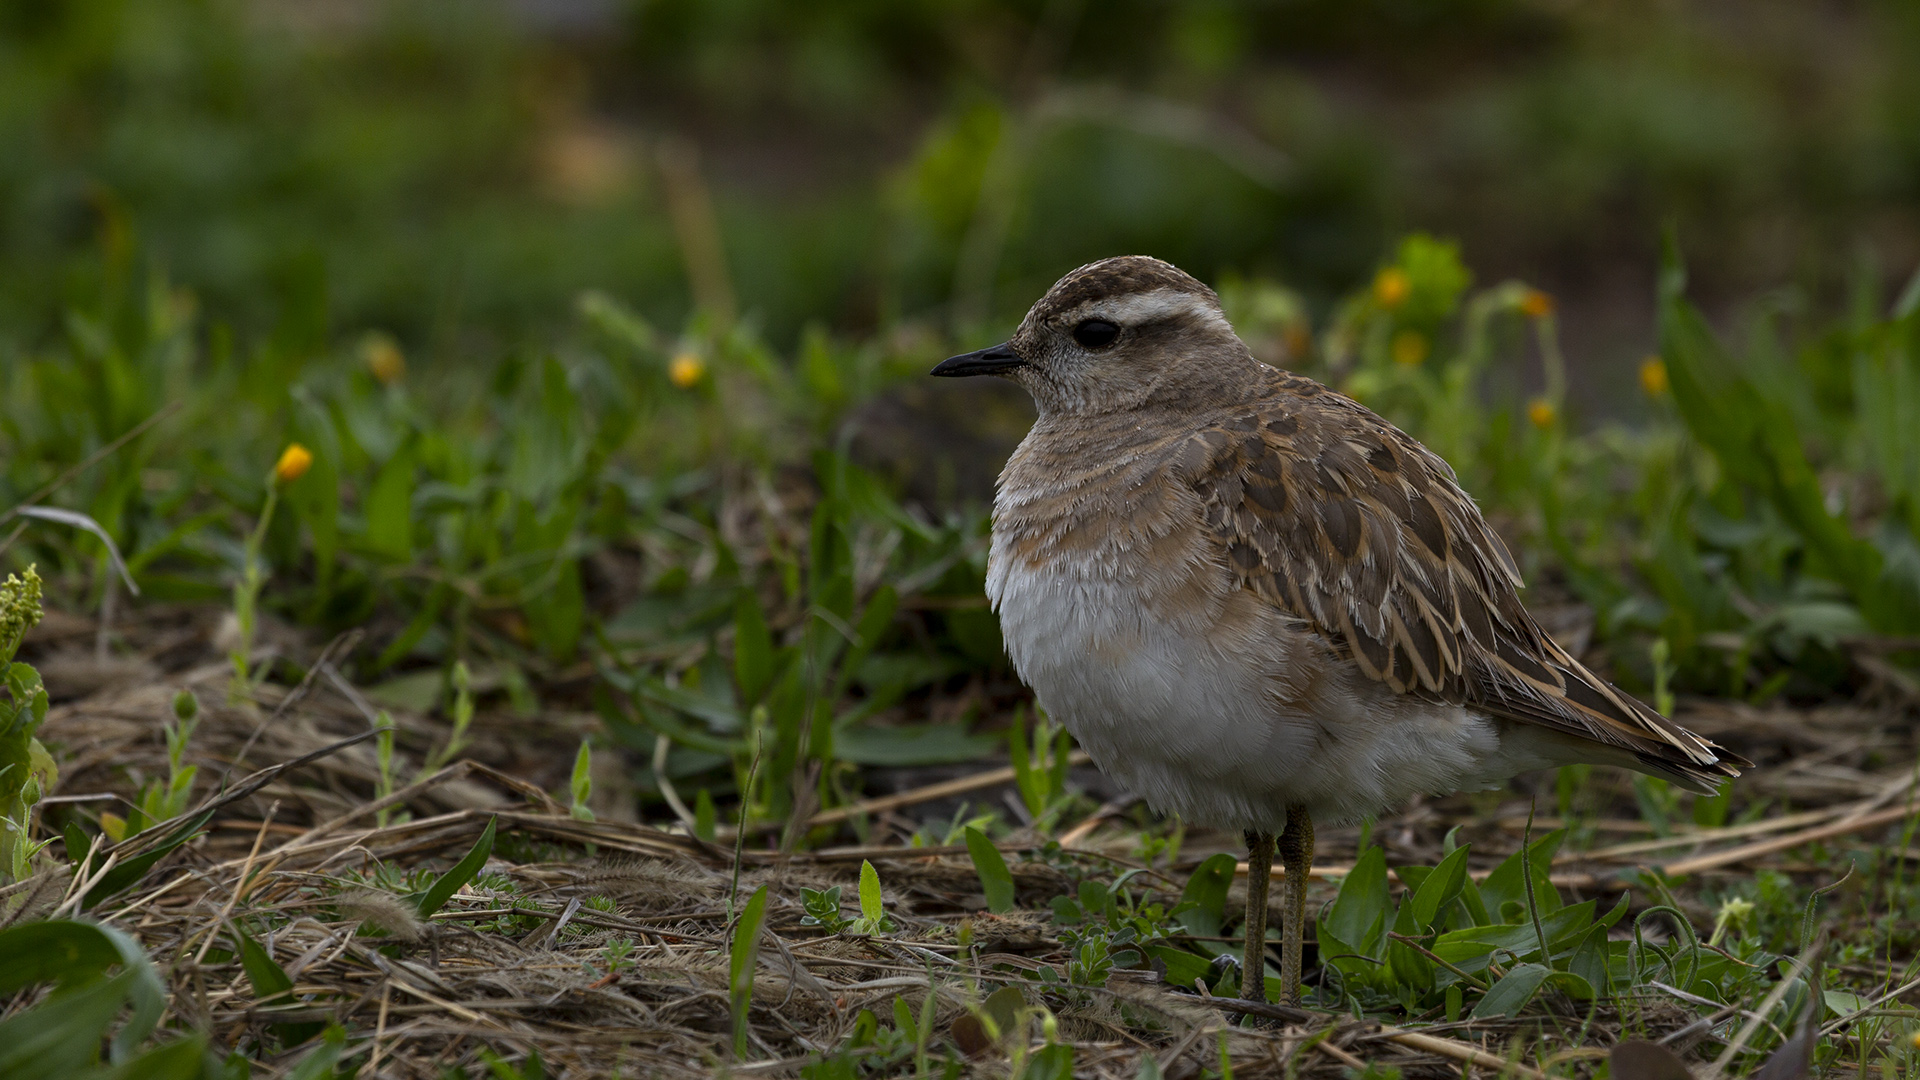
(1191, 691)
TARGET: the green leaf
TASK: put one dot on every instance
(867, 633)
(1051, 1062)
(389, 510)
(1202, 908)
(1411, 968)
(1439, 889)
(126, 874)
(742, 958)
(62, 951)
(996, 882)
(435, 896)
(1352, 964)
(1507, 883)
(753, 657)
(1471, 949)
(272, 986)
(705, 815)
(580, 786)
(319, 1064)
(181, 1059)
(1756, 441)
(71, 953)
(1589, 961)
(1362, 901)
(910, 744)
(59, 1038)
(871, 907)
(1183, 967)
(77, 841)
(1512, 992)
(903, 1020)
(1003, 1008)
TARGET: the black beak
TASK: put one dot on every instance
(994, 360)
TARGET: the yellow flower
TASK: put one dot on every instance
(384, 359)
(1653, 376)
(294, 462)
(1390, 287)
(686, 370)
(1409, 348)
(1536, 304)
(1542, 413)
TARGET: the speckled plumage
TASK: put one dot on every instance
(1256, 603)
(1242, 591)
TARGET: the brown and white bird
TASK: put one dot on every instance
(1259, 605)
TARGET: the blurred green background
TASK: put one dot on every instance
(454, 172)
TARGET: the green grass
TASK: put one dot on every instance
(664, 527)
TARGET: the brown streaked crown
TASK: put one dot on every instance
(1117, 276)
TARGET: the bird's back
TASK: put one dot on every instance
(1290, 519)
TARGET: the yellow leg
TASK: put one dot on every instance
(1253, 961)
(1296, 855)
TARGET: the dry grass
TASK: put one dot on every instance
(603, 944)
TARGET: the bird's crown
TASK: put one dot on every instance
(1114, 278)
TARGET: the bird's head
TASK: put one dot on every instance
(1112, 335)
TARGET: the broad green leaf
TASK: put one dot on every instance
(1470, 898)
(435, 896)
(1614, 915)
(910, 744)
(388, 507)
(752, 648)
(720, 717)
(59, 951)
(1051, 1062)
(871, 907)
(1471, 949)
(1362, 900)
(1410, 968)
(1512, 993)
(181, 1059)
(872, 626)
(903, 1020)
(272, 986)
(319, 1064)
(996, 882)
(62, 1036)
(76, 952)
(1356, 967)
(1439, 889)
(1183, 967)
(742, 958)
(1204, 900)
(1589, 960)
(1508, 885)
(1003, 1008)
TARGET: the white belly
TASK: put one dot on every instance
(1229, 715)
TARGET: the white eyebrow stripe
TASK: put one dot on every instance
(1154, 306)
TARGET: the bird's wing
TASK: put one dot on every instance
(1341, 519)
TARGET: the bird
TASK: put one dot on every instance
(1260, 606)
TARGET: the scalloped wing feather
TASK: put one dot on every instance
(1337, 517)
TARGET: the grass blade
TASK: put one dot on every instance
(996, 882)
(436, 895)
(743, 956)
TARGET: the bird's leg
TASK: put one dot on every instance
(1253, 962)
(1296, 855)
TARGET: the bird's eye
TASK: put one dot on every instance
(1096, 333)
